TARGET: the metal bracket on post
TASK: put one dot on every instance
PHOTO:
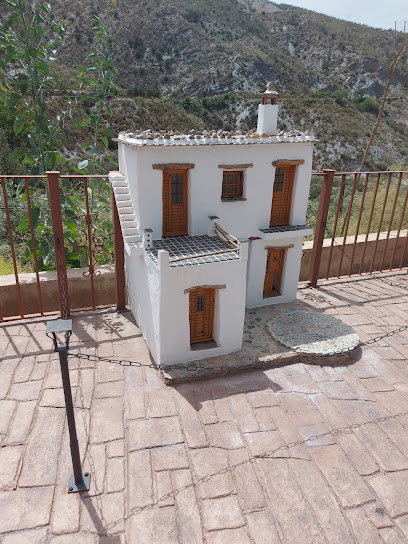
(78, 482)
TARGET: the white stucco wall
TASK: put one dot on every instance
(242, 219)
(257, 268)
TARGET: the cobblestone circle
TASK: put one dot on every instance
(310, 332)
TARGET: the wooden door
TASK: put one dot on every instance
(202, 306)
(274, 269)
(282, 195)
(175, 203)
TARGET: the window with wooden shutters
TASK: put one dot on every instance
(232, 184)
(282, 195)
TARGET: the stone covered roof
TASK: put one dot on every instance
(220, 137)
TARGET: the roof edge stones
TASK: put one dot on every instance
(163, 138)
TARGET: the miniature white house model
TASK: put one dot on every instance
(213, 223)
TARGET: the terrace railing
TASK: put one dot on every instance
(364, 215)
(54, 222)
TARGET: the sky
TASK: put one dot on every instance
(374, 13)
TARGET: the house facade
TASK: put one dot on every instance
(213, 223)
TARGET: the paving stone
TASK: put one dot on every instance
(213, 477)
(377, 515)
(109, 372)
(164, 489)
(328, 411)
(24, 369)
(170, 457)
(116, 448)
(265, 397)
(322, 501)
(205, 406)
(54, 398)
(41, 456)
(39, 371)
(344, 480)
(7, 408)
(104, 514)
(364, 530)
(25, 508)
(264, 416)
(187, 508)
(285, 426)
(230, 536)
(107, 420)
(299, 383)
(250, 493)
(356, 384)
(115, 474)
(267, 444)
(391, 536)
(37, 536)
(192, 427)
(300, 409)
(359, 456)
(148, 433)
(156, 526)
(262, 527)
(65, 512)
(135, 404)
(392, 490)
(161, 404)
(317, 435)
(381, 447)
(76, 538)
(9, 464)
(397, 433)
(297, 522)
(224, 435)
(402, 524)
(140, 480)
(244, 414)
(222, 513)
(393, 402)
(109, 389)
(222, 407)
(339, 390)
(377, 385)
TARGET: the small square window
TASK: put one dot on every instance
(232, 185)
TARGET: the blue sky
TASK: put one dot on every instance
(368, 12)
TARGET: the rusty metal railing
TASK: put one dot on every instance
(366, 211)
(69, 223)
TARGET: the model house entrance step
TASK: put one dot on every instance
(193, 250)
(126, 211)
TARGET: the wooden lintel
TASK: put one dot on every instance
(205, 287)
(235, 166)
(285, 162)
(280, 247)
(173, 166)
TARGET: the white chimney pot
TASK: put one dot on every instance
(268, 112)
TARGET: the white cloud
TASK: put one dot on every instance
(368, 12)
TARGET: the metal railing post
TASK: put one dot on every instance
(119, 258)
(58, 232)
(327, 186)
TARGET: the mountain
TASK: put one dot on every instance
(204, 63)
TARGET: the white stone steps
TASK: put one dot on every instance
(126, 211)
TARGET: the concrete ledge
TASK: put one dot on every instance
(79, 288)
(345, 266)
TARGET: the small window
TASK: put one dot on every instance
(200, 303)
(177, 188)
(279, 177)
(232, 185)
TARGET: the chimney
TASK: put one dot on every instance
(268, 111)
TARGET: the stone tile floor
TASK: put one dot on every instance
(296, 454)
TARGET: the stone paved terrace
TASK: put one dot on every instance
(289, 455)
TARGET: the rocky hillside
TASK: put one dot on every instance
(202, 64)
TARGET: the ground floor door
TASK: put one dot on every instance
(202, 306)
(274, 269)
(175, 203)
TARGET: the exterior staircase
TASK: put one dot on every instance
(125, 207)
